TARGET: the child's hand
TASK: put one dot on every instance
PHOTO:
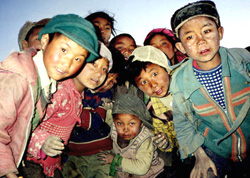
(53, 146)
(107, 103)
(202, 164)
(107, 158)
(11, 175)
(161, 141)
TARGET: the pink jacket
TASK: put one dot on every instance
(61, 116)
(18, 94)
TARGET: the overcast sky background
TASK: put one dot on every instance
(136, 17)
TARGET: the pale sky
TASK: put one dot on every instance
(136, 17)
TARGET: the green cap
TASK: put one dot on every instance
(131, 104)
(75, 28)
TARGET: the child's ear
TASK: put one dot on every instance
(44, 41)
(221, 32)
(24, 44)
(180, 47)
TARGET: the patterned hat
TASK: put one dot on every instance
(75, 28)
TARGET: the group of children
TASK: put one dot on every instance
(76, 104)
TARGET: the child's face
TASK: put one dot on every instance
(92, 75)
(33, 40)
(200, 40)
(105, 28)
(161, 42)
(125, 45)
(127, 125)
(153, 81)
(62, 57)
(109, 83)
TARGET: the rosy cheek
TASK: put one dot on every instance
(75, 68)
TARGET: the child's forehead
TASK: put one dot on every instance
(199, 20)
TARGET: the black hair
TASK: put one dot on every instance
(248, 48)
(118, 66)
(133, 69)
(113, 40)
(104, 15)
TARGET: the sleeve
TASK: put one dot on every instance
(55, 108)
(12, 92)
(142, 163)
(188, 137)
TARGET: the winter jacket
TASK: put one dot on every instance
(18, 102)
(61, 116)
(139, 157)
(199, 120)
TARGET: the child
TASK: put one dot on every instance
(124, 43)
(28, 34)
(27, 83)
(211, 95)
(148, 69)
(105, 23)
(61, 116)
(164, 40)
(134, 152)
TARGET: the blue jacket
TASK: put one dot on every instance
(199, 120)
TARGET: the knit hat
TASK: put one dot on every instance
(27, 27)
(105, 52)
(192, 10)
(150, 54)
(131, 104)
(75, 28)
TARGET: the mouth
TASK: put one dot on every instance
(60, 71)
(126, 136)
(159, 91)
(95, 80)
(203, 52)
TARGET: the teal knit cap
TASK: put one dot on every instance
(75, 28)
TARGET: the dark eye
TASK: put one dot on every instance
(207, 31)
(63, 50)
(154, 74)
(119, 123)
(132, 123)
(105, 69)
(143, 82)
(77, 59)
(189, 37)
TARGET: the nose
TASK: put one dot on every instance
(66, 62)
(125, 129)
(126, 53)
(98, 72)
(153, 83)
(200, 39)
